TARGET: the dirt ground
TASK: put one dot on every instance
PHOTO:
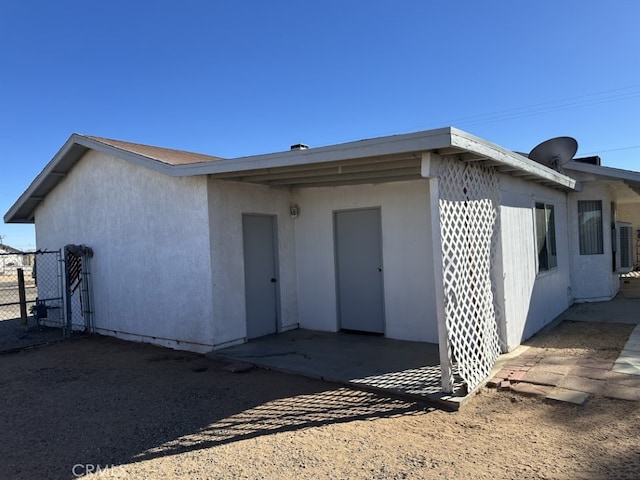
(126, 410)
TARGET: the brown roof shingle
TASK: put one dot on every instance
(164, 155)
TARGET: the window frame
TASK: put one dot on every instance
(545, 232)
(596, 244)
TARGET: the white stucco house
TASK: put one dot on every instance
(11, 259)
(436, 236)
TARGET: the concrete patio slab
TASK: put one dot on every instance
(363, 361)
(630, 356)
(595, 363)
(624, 379)
(539, 377)
(624, 367)
(623, 393)
(588, 372)
(582, 384)
(575, 377)
(619, 310)
(530, 389)
(556, 365)
(570, 396)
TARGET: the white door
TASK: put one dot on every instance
(260, 267)
(358, 245)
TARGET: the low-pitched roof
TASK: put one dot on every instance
(8, 249)
(164, 155)
(391, 158)
(163, 160)
(590, 172)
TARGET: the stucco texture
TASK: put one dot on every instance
(407, 256)
(149, 232)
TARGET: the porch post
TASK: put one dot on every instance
(429, 165)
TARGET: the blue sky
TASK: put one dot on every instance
(232, 78)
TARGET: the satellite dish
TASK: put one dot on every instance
(555, 152)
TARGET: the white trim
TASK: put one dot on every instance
(447, 138)
(438, 272)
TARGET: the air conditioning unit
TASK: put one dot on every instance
(624, 251)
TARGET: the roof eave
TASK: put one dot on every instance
(23, 210)
(395, 144)
(506, 161)
(629, 177)
(438, 140)
(442, 140)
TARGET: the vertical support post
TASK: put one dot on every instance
(429, 167)
(436, 243)
(67, 295)
(87, 300)
(22, 298)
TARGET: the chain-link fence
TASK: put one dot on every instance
(31, 300)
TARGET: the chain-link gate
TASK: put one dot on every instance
(77, 291)
(42, 301)
(31, 299)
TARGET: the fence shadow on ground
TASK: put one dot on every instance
(102, 401)
(14, 336)
(296, 412)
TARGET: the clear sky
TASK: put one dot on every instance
(232, 78)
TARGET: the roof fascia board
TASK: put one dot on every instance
(429, 140)
(604, 172)
(63, 161)
(471, 143)
(598, 172)
(48, 171)
(412, 142)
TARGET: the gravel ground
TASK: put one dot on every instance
(143, 412)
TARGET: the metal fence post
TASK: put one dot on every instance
(22, 298)
(67, 294)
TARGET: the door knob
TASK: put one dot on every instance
(273, 280)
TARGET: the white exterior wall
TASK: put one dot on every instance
(530, 299)
(149, 232)
(630, 212)
(227, 202)
(409, 289)
(592, 277)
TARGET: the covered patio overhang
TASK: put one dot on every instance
(386, 159)
(416, 156)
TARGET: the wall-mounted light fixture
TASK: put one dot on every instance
(294, 210)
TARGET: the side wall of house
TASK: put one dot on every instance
(227, 202)
(149, 232)
(531, 299)
(409, 288)
(592, 276)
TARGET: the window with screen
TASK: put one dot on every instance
(590, 227)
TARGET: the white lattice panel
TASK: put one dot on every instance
(469, 201)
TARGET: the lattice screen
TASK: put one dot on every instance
(469, 202)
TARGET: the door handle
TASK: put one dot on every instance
(273, 280)
(380, 269)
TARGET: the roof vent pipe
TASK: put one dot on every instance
(299, 146)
